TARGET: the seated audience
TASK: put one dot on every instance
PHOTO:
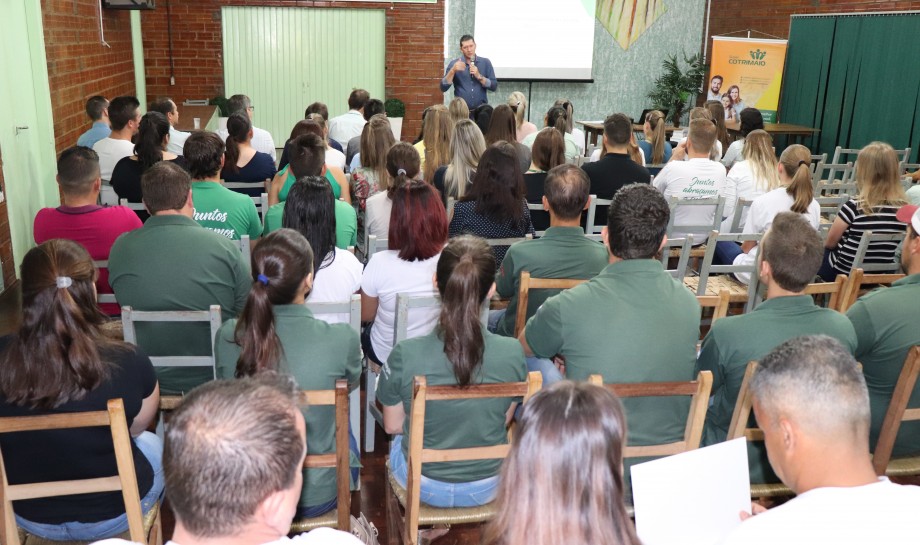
(335, 158)
(790, 255)
(655, 148)
(61, 361)
(242, 163)
(518, 103)
(886, 328)
(173, 263)
(458, 110)
(217, 208)
(562, 252)
(616, 168)
(344, 127)
(97, 108)
(548, 152)
(715, 153)
(460, 351)
(373, 107)
(494, 207)
(286, 176)
(750, 121)
(261, 139)
(434, 148)
(873, 209)
(125, 117)
(417, 233)
(810, 400)
(276, 332)
(149, 148)
(376, 140)
(80, 219)
(502, 127)
(176, 137)
(753, 176)
(697, 178)
(310, 210)
(556, 118)
(402, 165)
(567, 459)
(321, 109)
(466, 147)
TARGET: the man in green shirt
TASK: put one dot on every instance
(217, 208)
(562, 252)
(887, 323)
(172, 263)
(631, 323)
(790, 255)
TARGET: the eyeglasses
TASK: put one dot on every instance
(253, 108)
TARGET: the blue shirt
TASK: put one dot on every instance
(97, 132)
(467, 88)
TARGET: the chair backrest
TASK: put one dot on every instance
(103, 298)
(352, 307)
(338, 398)
(536, 207)
(840, 153)
(830, 204)
(741, 415)
(909, 167)
(593, 203)
(897, 411)
(508, 241)
(129, 317)
(740, 207)
(718, 304)
(698, 390)
(857, 279)
(374, 245)
(405, 302)
(831, 178)
(708, 268)
(817, 168)
(683, 257)
(528, 283)
(418, 455)
(580, 160)
(833, 291)
(136, 206)
(869, 238)
(125, 480)
(717, 205)
(261, 203)
(245, 248)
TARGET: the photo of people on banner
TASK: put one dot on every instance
(745, 73)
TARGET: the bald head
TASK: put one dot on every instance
(566, 189)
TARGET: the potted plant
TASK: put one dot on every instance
(396, 110)
(676, 86)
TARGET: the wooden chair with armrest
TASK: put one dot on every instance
(897, 413)
(857, 279)
(141, 528)
(833, 291)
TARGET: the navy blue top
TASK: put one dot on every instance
(647, 149)
(260, 168)
(467, 88)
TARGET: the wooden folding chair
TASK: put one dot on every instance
(375, 245)
(896, 414)
(739, 428)
(245, 248)
(103, 298)
(593, 203)
(680, 249)
(718, 303)
(707, 284)
(508, 241)
(535, 207)
(416, 514)
(857, 279)
(680, 205)
(340, 517)
(741, 206)
(881, 242)
(527, 283)
(833, 292)
(834, 179)
(141, 528)
(136, 206)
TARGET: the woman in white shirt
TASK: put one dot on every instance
(417, 233)
(751, 120)
(751, 177)
(556, 117)
(403, 164)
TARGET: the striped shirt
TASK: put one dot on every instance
(882, 221)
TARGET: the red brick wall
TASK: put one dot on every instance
(6, 245)
(414, 50)
(79, 66)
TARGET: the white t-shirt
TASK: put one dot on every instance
(335, 283)
(579, 136)
(377, 215)
(319, 536)
(177, 140)
(111, 151)
(346, 126)
(596, 155)
(716, 152)
(881, 512)
(733, 153)
(694, 179)
(739, 184)
(913, 194)
(261, 140)
(335, 158)
(385, 277)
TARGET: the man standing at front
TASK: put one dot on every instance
(470, 75)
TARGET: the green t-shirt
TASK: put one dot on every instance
(886, 327)
(172, 263)
(290, 179)
(224, 211)
(562, 252)
(453, 424)
(316, 354)
(346, 223)
(734, 341)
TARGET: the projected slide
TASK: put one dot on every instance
(537, 39)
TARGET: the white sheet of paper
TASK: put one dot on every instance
(692, 498)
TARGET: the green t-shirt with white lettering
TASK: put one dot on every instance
(225, 212)
(346, 223)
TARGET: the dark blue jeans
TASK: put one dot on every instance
(726, 252)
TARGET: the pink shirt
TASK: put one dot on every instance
(93, 226)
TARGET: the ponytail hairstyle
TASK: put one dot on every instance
(151, 139)
(57, 354)
(655, 120)
(438, 128)
(280, 263)
(465, 273)
(403, 164)
(556, 117)
(466, 147)
(238, 127)
(758, 151)
(518, 103)
(310, 210)
(717, 110)
(458, 110)
(566, 105)
(794, 162)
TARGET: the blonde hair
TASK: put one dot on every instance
(466, 147)
(655, 120)
(795, 161)
(877, 178)
(518, 103)
(758, 151)
(458, 110)
(438, 127)
(376, 140)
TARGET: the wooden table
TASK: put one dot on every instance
(797, 133)
(187, 115)
(594, 129)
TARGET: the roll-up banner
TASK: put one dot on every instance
(745, 73)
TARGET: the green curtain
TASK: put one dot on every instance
(855, 79)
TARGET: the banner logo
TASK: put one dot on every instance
(758, 55)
